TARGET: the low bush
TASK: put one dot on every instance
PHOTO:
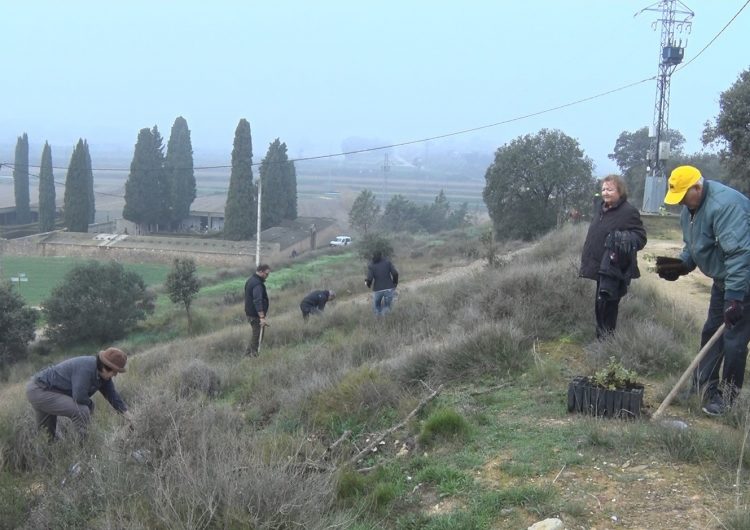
(444, 424)
(362, 395)
(196, 379)
(644, 346)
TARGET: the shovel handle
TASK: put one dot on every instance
(688, 371)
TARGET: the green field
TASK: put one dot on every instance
(45, 273)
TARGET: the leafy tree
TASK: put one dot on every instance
(369, 243)
(47, 207)
(178, 166)
(364, 212)
(533, 181)
(17, 325)
(400, 214)
(146, 191)
(631, 155)
(279, 181)
(240, 213)
(97, 302)
(731, 132)
(182, 285)
(76, 200)
(21, 180)
(710, 165)
(434, 217)
(403, 215)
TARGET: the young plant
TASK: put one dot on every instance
(614, 376)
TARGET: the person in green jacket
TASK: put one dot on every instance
(715, 222)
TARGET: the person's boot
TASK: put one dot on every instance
(716, 405)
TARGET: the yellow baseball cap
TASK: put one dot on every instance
(681, 179)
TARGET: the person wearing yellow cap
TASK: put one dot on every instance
(715, 222)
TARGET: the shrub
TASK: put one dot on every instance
(17, 323)
(640, 345)
(444, 423)
(197, 378)
(361, 394)
(488, 348)
(96, 302)
(13, 510)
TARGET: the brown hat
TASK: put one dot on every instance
(114, 358)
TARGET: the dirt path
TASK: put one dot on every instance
(690, 292)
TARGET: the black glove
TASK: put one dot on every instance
(733, 310)
(670, 268)
(368, 283)
(621, 241)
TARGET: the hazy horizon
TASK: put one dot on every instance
(315, 75)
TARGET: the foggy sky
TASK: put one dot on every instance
(315, 73)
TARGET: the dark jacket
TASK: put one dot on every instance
(314, 300)
(79, 379)
(717, 238)
(623, 216)
(381, 275)
(256, 297)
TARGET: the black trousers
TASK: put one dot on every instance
(606, 314)
(252, 347)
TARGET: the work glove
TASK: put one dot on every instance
(670, 268)
(733, 310)
(621, 241)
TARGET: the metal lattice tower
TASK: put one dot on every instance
(675, 17)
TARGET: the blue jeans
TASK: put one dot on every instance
(731, 348)
(381, 301)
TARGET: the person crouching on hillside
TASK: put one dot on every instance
(615, 235)
(65, 389)
(315, 303)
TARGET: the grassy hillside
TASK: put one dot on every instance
(447, 414)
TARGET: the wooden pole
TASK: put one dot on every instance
(688, 372)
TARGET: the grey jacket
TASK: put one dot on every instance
(77, 377)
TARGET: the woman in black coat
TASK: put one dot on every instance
(609, 257)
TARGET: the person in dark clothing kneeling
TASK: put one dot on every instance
(65, 389)
(315, 303)
(609, 254)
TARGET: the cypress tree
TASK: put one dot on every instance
(240, 215)
(145, 197)
(279, 180)
(89, 171)
(21, 180)
(47, 207)
(178, 166)
(76, 200)
(291, 188)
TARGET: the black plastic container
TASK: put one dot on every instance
(587, 398)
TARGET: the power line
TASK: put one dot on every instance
(450, 134)
(715, 37)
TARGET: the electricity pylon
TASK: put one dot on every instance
(675, 17)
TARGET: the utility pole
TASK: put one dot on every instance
(257, 226)
(675, 17)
